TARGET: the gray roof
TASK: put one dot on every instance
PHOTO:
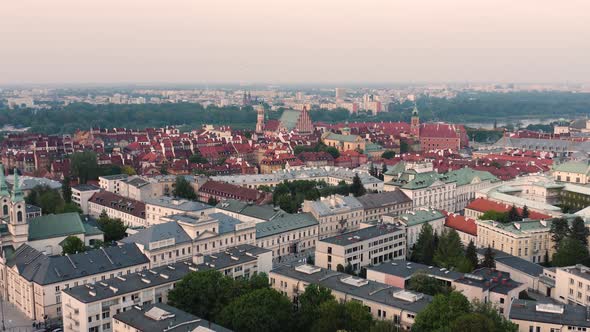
(159, 232)
(86, 187)
(226, 223)
(285, 222)
(29, 182)
(373, 291)
(407, 269)
(180, 321)
(264, 212)
(490, 280)
(130, 283)
(177, 204)
(41, 269)
(137, 182)
(114, 177)
(386, 198)
(231, 257)
(335, 204)
(573, 315)
(362, 234)
(514, 262)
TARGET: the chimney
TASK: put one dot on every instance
(198, 259)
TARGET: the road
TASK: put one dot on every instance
(15, 320)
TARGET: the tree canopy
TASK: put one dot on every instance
(423, 251)
(84, 166)
(72, 244)
(183, 189)
(113, 229)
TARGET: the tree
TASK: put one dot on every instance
(84, 166)
(357, 188)
(441, 312)
(423, 250)
(348, 269)
(203, 293)
(404, 147)
(389, 154)
(308, 309)
(471, 254)
(383, 171)
(570, 252)
(340, 268)
(470, 322)
(212, 201)
(71, 245)
(495, 215)
(501, 324)
(579, 231)
(449, 252)
(310, 260)
(49, 200)
(385, 325)
(559, 230)
(263, 310)
(126, 169)
(113, 229)
(66, 189)
(513, 214)
(348, 316)
(183, 189)
(525, 212)
(422, 283)
(197, 158)
(488, 259)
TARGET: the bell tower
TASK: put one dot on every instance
(259, 119)
(415, 122)
(18, 226)
(4, 196)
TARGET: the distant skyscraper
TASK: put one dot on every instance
(340, 93)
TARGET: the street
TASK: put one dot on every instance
(15, 320)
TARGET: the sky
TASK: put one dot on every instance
(294, 41)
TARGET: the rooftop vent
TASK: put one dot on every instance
(307, 269)
(473, 277)
(407, 296)
(353, 281)
(158, 314)
(550, 308)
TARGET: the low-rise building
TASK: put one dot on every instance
(247, 211)
(427, 190)
(384, 302)
(288, 233)
(367, 246)
(465, 227)
(537, 316)
(376, 205)
(398, 274)
(572, 285)
(111, 183)
(81, 195)
(220, 191)
(161, 317)
(413, 222)
(336, 214)
(131, 212)
(156, 208)
(572, 171)
(34, 282)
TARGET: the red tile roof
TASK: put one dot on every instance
(461, 223)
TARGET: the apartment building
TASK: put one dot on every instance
(468, 182)
(91, 307)
(336, 214)
(111, 183)
(81, 195)
(248, 211)
(413, 222)
(490, 286)
(548, 317)
(388, 202)
(427, 190)
(572, 285)
(398, 274)
(367, 246)
(34, 282)
(528, 239)
(160, 317)
(156, 208)
(573, 172)
(131, 212)
(288, 233)
(384, 302)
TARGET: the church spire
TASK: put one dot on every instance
(17, 193)
(3, 185)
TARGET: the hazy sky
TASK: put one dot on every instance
(294, 41)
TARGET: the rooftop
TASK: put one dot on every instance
(406, 270)
(119, 203)
(420, 216)
(231, 257)
(264, 212)
(86, 187)
(386, 198)
(57, 225)
(490, 280)
(335, 204)
(561, 314)
(114, 177)
(514, 262)
(177, 204)
(357, 287)
(159, 232)
(362, 234)
(161, 317)
(285, 222)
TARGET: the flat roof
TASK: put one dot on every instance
(514, 262)
(362, 234)
(406, 270)
(564, 314)
(366, 289)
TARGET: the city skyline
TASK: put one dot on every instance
(380, 42)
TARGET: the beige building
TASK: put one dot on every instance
(34, 282)
(528, 239)
(367, 246)
(572, 285)
(573, 171)
(336, 214)
(413, 222)
(375, 206)
(163, 206)
(92, 307)
(288, 233)
(384, 302)
(81, 195)
(547, 317)
(426, 190)
(130, 211)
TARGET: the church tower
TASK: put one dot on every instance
(4, 196)
(18, 226)
(260, 119)
(415, 123)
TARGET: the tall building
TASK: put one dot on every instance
(259, 119)
(13, 212)
(415, 123)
